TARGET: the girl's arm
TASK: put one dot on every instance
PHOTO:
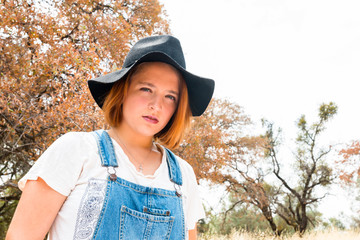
(36, 211)
(193, 234)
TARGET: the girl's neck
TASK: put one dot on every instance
(132, 139)
(141, 151)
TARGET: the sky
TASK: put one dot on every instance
(278, 59)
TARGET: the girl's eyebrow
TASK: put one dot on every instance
(146, 83)
(152, 85)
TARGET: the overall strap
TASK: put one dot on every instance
(106, 149)
(174, 168)
(108, 159)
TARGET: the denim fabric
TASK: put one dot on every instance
(106, 149)
(131, 211)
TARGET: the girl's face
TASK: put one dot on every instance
(151, 99)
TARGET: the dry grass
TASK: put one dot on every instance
(315, 235)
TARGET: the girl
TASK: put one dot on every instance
(123, 183)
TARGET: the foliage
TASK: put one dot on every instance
(48, 50)
(215, 137)
(350, 164)
(334, 223)
(312, 170)
(349, 168)
(243, 217)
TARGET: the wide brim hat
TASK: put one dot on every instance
(163, 48)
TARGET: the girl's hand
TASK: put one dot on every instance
(36, 211)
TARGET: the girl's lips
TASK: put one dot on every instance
(151, 119)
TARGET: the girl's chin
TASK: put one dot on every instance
(150, 133)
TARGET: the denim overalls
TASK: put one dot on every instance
(132, 211)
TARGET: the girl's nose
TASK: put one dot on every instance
(155, 103)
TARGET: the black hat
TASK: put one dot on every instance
(164, 48)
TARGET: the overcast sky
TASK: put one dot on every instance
(277, 58)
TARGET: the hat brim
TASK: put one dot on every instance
(200, 90)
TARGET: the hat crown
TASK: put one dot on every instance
(164, 44)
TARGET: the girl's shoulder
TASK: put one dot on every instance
(61, 164)
(74, 140)
(75, 136)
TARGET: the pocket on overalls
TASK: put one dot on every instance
(149, 224)
(157, 212)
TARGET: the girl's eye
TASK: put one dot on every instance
(145, 89)
(171, 97)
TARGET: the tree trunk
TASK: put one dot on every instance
(304, 220)
(267, 213)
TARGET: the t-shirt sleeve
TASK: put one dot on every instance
(61, 164)
(194, 210)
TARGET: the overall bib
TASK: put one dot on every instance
(131, 211)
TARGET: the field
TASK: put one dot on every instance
(319, 235)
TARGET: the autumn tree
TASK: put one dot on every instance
(222, 150)
(298, 191)
(207, 145)
(49, 49)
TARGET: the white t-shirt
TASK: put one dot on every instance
(73, 161)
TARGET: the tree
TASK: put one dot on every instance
(208, 144)
(222, 151)
(313, 171)
(48, 50)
